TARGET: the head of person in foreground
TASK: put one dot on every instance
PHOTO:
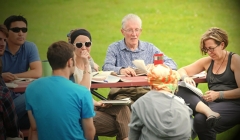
(163, 78)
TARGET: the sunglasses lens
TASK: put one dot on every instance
(24, 30)
(17, 30)
(79, 45)
(88, 44)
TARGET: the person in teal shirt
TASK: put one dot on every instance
(57, 107)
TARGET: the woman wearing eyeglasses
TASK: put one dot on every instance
(109, 121)
(223, 78)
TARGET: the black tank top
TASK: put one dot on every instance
(222, 82)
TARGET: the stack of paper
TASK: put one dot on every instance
(11, 85)
(20, 80)
(141, 68)
(104, 77)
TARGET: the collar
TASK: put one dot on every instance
(8, 51)
(140, 47)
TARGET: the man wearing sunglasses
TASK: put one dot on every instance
(20, 55)
(20, 60)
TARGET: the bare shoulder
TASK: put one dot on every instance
(205, 62)
(236, 57)
(235, 62)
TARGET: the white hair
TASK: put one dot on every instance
(131, 17)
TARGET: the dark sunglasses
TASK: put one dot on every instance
(17, 30)
(80, 44)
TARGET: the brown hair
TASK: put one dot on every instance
(59, 53)
(217, 34)
(3, 29)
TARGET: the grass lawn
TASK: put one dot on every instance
(172, 25)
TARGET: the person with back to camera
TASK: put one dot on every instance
(223, 78)
(60, 109)
(109, 121)
(159, 114)
(120, 55)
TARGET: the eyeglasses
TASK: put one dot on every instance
(17, 29)
(205, 50)
(129, 31)
(80, 44)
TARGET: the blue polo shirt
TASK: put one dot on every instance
(20, 62)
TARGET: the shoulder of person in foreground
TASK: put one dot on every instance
(8, 112)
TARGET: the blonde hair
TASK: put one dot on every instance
(161, 77)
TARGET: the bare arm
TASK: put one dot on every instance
(33, 127)
(88, 128)
(194, 68)
(86, 79)
(234, 94)
(34, 72)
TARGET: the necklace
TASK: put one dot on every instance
(212, 77)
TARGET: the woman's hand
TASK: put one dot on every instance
(211, 96)
(189, 80)
(85, 56)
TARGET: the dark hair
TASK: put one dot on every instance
(77, 32)
(14, 18)
(3, 29)
(59, 53)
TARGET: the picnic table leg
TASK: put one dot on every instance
(98, 95)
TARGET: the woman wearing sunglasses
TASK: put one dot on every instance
(94, 66)
(109, 121)
(223, 78)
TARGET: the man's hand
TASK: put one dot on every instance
(129, 72)
(7, 76)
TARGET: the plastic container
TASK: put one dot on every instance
(158, 58)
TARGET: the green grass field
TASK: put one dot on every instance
(174, 26)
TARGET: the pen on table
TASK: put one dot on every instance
(96, 74)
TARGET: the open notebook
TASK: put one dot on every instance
(192, 88)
